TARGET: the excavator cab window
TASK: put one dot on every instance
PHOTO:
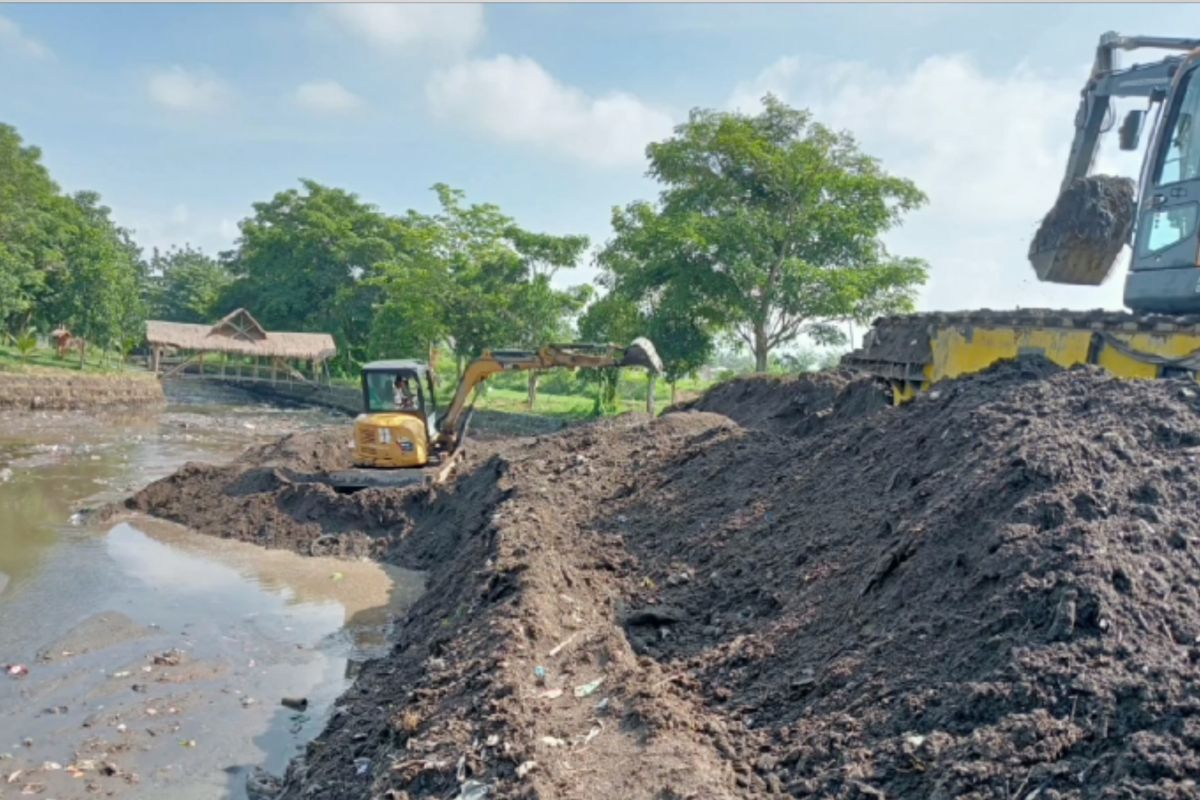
(1170, 214)
(1180, 159)
(393, 390)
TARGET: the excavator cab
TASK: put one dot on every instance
(1163, 273)
(399, 415)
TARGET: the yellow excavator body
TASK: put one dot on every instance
(391, 440)
(917, 351)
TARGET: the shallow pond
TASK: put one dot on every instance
(156, 657)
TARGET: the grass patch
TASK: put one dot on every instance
(44, 361)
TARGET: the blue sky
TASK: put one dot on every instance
(181, 116)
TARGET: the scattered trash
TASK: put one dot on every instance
(558, 647)
(588, 688)
(121, 728)
(525, 768)
(295, 703)
(362, 766)
(915, 740)
(337, 576)
(539, 674)
(151, 712)
(603, 704)
(187, 743)
(147, 668)
(492, 740)
(12, 776)
(551, 694)
(473, 790)
(76, 518)
(248, 701)
(553, 741)
(122, 674)
(170, 658)
(592, 734)
(16, 670)
(51, 766)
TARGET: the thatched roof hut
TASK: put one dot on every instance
(239, 333)
(286, 354)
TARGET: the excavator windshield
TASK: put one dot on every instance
(1180, 160)
(1169, 221)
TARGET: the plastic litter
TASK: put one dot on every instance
(16, 670)
(539, 674)
(473, 790)
(525, 768)
(588, 688)
(550, 694)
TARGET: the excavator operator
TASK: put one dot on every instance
(405, 398)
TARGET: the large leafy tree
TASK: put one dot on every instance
(186, 285)
(32, 225)
(95, 287)
(301, 261)
(769, 225)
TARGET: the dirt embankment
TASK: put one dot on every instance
(989, 593)
(46, 391)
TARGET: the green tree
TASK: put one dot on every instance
(31, 228)
(301, 261)
(95, 289)
(768, 225)
(186, 285)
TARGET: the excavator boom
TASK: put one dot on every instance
(641, 353)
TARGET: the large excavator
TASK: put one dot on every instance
(1078, 242)
(399, 438)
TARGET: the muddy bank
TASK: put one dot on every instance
(988, 593)
(65, 392)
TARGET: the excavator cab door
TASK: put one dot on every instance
(1163, 273)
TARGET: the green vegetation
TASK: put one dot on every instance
(767, 227)
(41, 359)
(766, 233)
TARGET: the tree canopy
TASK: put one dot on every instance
(768, 225)
(63, 261)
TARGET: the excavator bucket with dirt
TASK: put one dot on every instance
(641, 353)
(1081, 237)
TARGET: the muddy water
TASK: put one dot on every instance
(157, 658)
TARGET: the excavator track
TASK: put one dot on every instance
(916, 350)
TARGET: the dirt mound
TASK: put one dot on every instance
(1082, 235)
(990, 592)
(793, 405)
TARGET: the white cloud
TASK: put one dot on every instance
(989, 150)
(515, 99)
(180, 89)
(451, 28)
(12, 38)
(325, 97)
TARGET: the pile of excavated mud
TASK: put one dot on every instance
(991, 592)
(1080, 238)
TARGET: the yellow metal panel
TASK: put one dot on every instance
(1168, 345)
(410, 428)
(960, 351)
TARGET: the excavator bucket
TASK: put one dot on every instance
(641, 353)
(1081, 237)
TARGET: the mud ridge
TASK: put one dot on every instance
(991, 592)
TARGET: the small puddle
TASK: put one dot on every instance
(157, 656)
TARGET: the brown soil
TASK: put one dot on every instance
(988, 593)
(1082, 235)
(54, 391)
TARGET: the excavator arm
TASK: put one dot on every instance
(1106, 81)
(1093, 218)
(640, 353)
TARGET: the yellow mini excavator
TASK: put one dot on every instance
(399, 439)
(1093, 219)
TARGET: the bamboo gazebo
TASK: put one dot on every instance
(240, 349)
